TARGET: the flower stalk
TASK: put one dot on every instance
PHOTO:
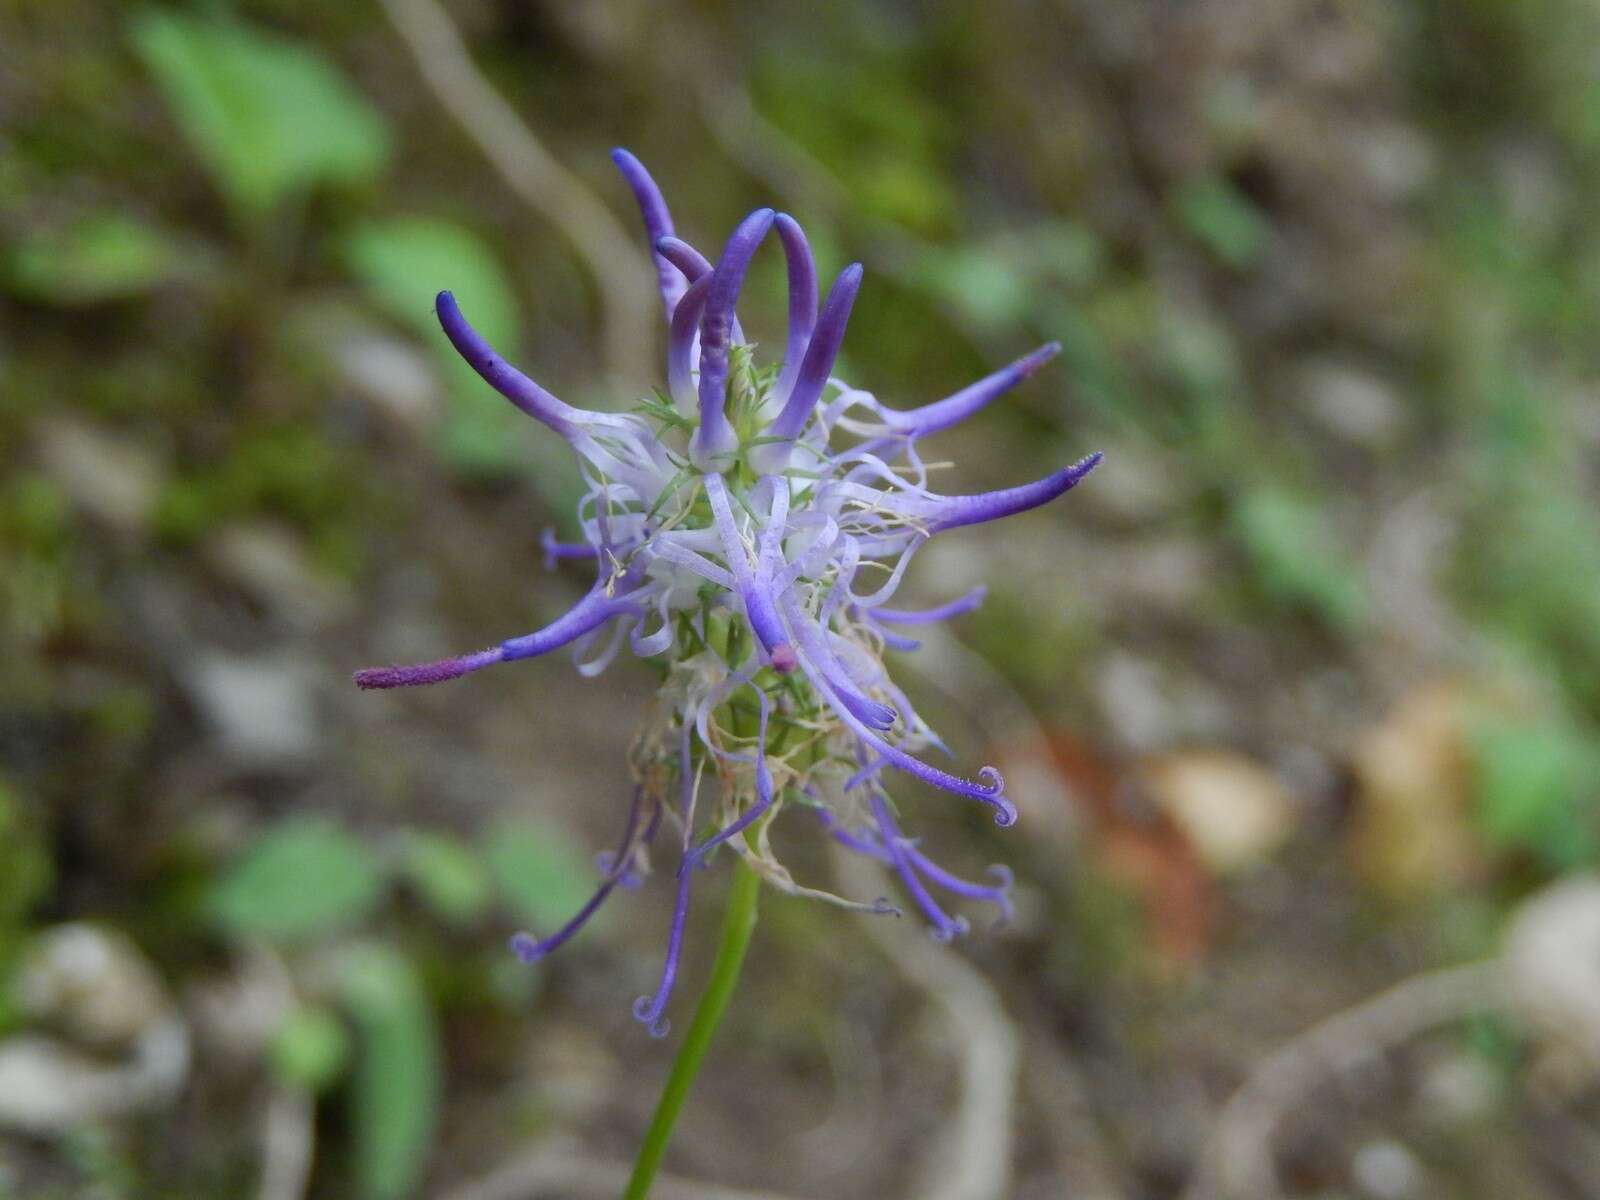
(738, 924)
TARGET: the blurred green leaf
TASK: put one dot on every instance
(1199, 352)
(447, 875)
(304, 878)
(270, 117)
(1534, 788)
(396, 1092)
(981, 284)
(27, 878)
(1217, 216)
(310, 1049)
(1296, 557)
(544, 878)
(404, 264)
(102, 257)
(1002, 283)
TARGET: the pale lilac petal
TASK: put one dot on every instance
(927, 616)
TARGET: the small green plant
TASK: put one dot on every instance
(270, 118)
(364, 1020)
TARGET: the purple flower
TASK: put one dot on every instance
(734, 539)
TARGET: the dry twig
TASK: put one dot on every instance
(972, 1161)
(1239, 1161)
(620, 270)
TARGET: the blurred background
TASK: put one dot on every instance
(1298, 695)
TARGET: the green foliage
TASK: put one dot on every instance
(404, 263)
(35, 543)
(291, 470)
(395, 1094)
(1532, 574)
(1004, 283)
(876, 130)
(310, 1049)
(270, 117)
(1535, 787)
(304, 878)
(27, 879)
(106, 256)
(1217, 216)
(446, 874)
(540, 875)
(1296, 557)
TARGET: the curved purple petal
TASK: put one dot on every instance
(501, 375)
(657, 224)
(649, 1010)
(802, 270)
(945, 926)
(594, 610)
(951, 512)
(941, 414)
(531, 949)
(715, 436)
(680, 344)
(684, 257)
(927, 616)
(820, 353)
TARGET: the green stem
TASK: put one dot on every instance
(738, 923)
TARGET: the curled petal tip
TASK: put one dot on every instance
(646, 1013)
(526, 948)
(784, 659)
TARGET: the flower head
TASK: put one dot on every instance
(735, 542)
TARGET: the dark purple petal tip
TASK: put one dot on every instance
(424, 673)
(1029, 363)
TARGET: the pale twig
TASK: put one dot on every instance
(620, 270)
(1084, 1164)
(1239, 1162)
(972, 1160)
(763, 149)
(557, 1168)
(288, 1137)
